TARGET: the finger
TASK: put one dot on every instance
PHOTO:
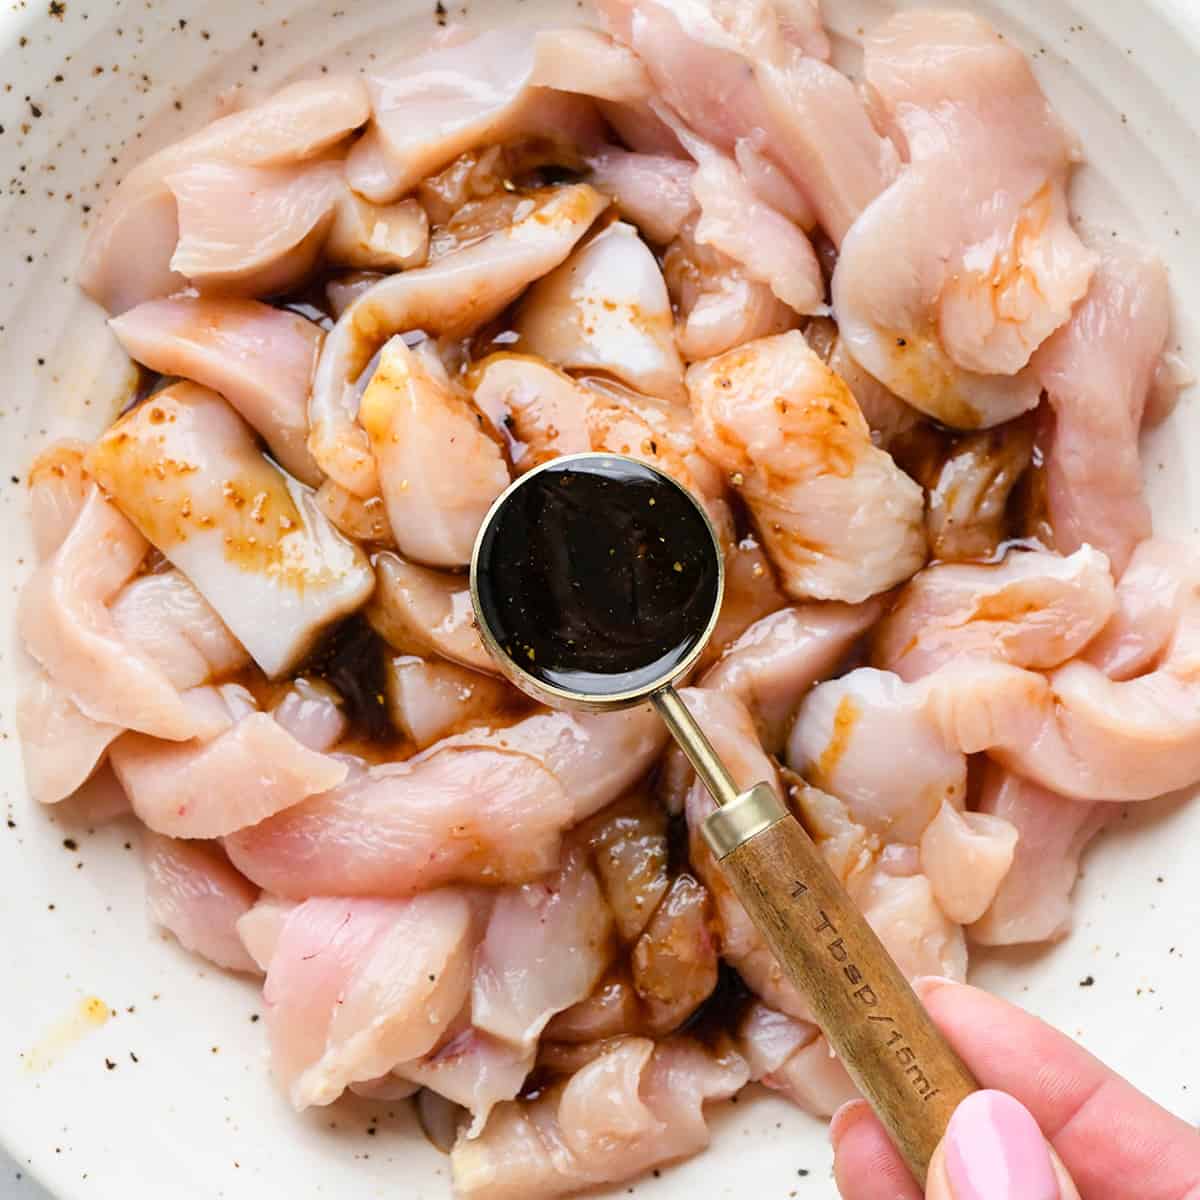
(865, 1163)
(1114, 1141)
(994, 1150)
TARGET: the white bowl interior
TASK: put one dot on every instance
(87, 93)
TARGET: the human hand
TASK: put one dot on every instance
(1107, 1141)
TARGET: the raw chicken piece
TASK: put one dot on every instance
(546, 947)
(751, 593)
(769, 183)
(343, 290)
(355, 987)
(635, 1106)
(846, 845)
(1033, 903)
(429, 700)
(185, 469)
(965, 856)
(589, 63)
(375, 237)
(359, 519)
(718, 305)
(252, 231)
(453, 296)
(606, 308)
(653, 191)
(613, 1009)
(779, 658)
(837, 516)
(99, 800)
(66, 625)
(867, 739)
(439, 471)
(1098, 372)
(193, 893)
(419, 611)
(312, 714)
(259, 358)
(261, 926)
(675, 960)
(211, 788)
(58, 487)
(128, 256)
(1159, 581)
(990, 264)
(1033, 610)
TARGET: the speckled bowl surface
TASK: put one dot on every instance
(170, 1096)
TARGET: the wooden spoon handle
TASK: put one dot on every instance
(872, 1018)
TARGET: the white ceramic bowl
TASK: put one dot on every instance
(89, 88)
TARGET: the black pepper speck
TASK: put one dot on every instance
(1088, 982)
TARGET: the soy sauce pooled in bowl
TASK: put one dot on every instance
(597, 575)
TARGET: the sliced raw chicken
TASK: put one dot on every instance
(356, 987)
(838, 517)
(751, 593)
(193, 893)
(359, 519)
(1098, 373)
(770, 184)
(966, 856)
(213, 787)
(419, 611)
(587, 62)
(128, 256)
(259, 358)
(675, 960)
(653, 191)
(632, 1108)
(453, 296)
(990, 265)
(430, 107)
(1033, 610)
(99, 801)
(261, 926)
(546, 947)
(439, 471)
(429, 700)
(377, 237)
(252, 231)
(312, 714)
(779, 658)
(606, 309)
(613, 1009)
(846, 845)
(58, 487)
(867, 739)
(1033, 903)
(185, 469)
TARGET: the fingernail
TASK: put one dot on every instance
(995, 1151)
(846, 1118)
(927, 984)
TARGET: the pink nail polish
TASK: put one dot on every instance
(995, 1151)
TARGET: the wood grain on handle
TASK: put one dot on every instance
(872, 1018)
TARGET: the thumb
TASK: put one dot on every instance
(994, 1150)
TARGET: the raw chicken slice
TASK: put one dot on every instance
(454, 814)
(846, 845)
(867, 739)
(718, 306)
(128, 256)
(990, 266)
(546, 947)
(653, 191)
(439, 471)
(635, 1106)
(965, 856)
(431, 107)
(211, 788)
(453, 296)
(261, 926)
(613, 1009)
(769, 183)
(1098, 372)
(751, 593)
(58, 487)
(1033, 610)
(259, 358)
(193, 893)
(419, 611)
(66, 625)
(377, 237)
(1033, 903)
(99, 801)
(606, 308)
(779, 658)
(185, 469)
(430, 700)
(838, 517)
(252, 231)
(359, 519)
(675, 960)
(588, 63)
(356, 987)
(312, 714)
